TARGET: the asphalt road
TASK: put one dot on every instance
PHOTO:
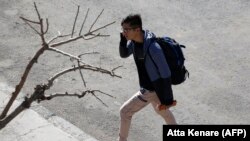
(216, 34)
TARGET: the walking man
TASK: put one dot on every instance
(153, 71)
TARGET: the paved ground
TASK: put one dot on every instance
(216, 34)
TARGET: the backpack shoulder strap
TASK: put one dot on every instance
(147, 49)
(150, 56)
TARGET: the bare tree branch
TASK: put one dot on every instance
(81, 37)
(102, 35)
(26, 21)
(84, 82)
(41, 24)
(29, 66)
(22, 81)
(64, 53)
(93, 36)
(29, 20)
(96, 35)
(65, 42)
(104, 93)
(87, 67)
(89, 33)
(39, 92)
(88, 53)
(116, 68)
(37, 12)
(98, 69)
(59, 36)
(99, 99)
(42, 32)
(65, 94)
(47, 26)
(95, 20)
(78, 7)
(78, 95)
(84, 22)
(11, 116)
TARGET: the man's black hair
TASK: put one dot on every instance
(134, 20)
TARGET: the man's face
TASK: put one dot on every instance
(128, 31)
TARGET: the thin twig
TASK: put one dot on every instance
(89, 33)
(116, 68)
(30, 26)
(84, 82)
(65, 94)
(83, 37)
(66, 54)
(87, 67)
(59, 36)
(41, 25)
(78, 95)
(99, 99)
(94, 36)
(103, 35)
(78, 7)
(38, 14)
(53, 78)
(29, 20)
(84, 22)
(95, 20)
(47, 26)
(104, 93)
(67, 41)
(88, 53)
(42, 32)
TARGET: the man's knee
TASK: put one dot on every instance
(158, 111)
(125, 113)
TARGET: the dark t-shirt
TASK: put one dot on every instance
(144, 79)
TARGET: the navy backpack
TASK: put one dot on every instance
(175, 59)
